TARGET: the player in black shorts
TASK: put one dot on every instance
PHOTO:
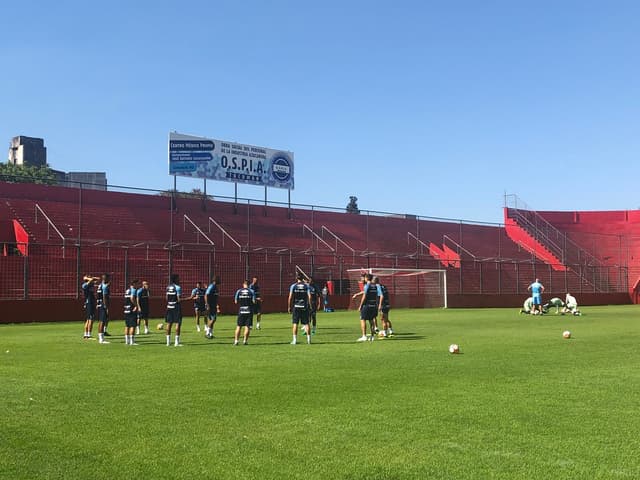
(199, 304)
(174, 310)
(105, 287)
(131, 312)
(103, 313)
(246, 299)
(88, 289)
(211, 302)
(257, 308)
(369, 305)
(314, 292)
(143, 304)
(387, 329)
(299, 304)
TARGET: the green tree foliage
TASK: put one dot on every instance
(10, 172)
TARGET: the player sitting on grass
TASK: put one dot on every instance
(571, 305)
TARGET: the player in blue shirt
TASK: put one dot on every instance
(387, 329)
(314, 292)
(246, 299)
(211, 304)
(370, 303)
(199, 304)
(106, 304)
(174, 310)
(88, 290)
(257, 307)
(131, 312)
(536, 289)
(143, 303)
(300, 303)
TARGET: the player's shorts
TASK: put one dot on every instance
(103, 315)
(368, 312)
(199, 307)
(130, 319)
(144, 312)
(174, 315)
(245, 320)
(385, 309)
(300, 315)
(537, 299)
(257, 308)
(213, 313)
(90, 310)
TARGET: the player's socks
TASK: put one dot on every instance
(295, 340)
(177, 340)
(146, 330)
(137, 330)
(168, 340)
(198, 328)
(258, 325)
(101, 337)
(309, 339)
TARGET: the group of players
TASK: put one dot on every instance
(374, 300)
(534, 306)
(304, 301)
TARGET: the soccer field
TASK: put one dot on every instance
(518, 402)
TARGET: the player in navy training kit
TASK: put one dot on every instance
(89, 303)
(314, 305)
(257, 308)
(143, 307)
(246, 299)
(387, 329)
(174, 310)
(106, 302)
(103, 312)
(131, 312)
(369, 304)
(199, 304)
(300, 301)
(211, 304)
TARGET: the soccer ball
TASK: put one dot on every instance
(454, 348)
(566, 334)
(160, 326)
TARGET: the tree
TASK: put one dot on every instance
(43, 175)
(194, 193)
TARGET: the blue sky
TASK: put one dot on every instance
(431, 108)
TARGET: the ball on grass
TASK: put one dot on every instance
(454, 348)
(566, 334)
(160, 326)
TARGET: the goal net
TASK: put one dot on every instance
(408, 288)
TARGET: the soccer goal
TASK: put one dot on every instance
(408, 288)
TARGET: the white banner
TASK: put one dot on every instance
(201, 157)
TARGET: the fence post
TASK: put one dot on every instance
(25, 279)
(126, 267)
(78, 268)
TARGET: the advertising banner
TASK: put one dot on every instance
(200, 157)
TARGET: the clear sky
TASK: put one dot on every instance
(429, 107)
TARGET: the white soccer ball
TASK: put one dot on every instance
(566, 334)
(160, 326)
(454, 348)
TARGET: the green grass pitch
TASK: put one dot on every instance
(518, 402)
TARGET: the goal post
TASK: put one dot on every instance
(408, 287)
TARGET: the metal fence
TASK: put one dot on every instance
(55, 271)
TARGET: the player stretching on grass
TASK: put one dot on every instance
(536, 289)
(131, 312)
(300, 301)
(89, 303)
(246, 298)
(369, 304)
(211, 303)
(143, 307)
(174, 310)
(387, 329)
(199, 304)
